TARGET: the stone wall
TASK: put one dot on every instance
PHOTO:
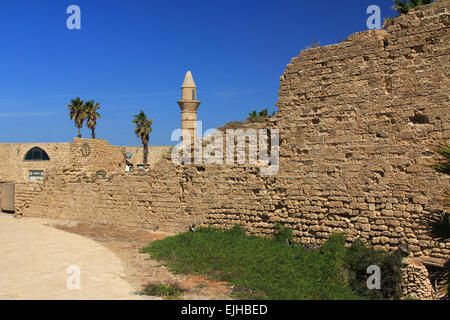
(24, 191)
(92, 155)
(155, 154)
(145, 199)
(14, 168)
(416, 282)
(87, 155)
(99, 155)
(360, 123)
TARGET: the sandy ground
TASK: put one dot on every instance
(139, 269)
(39, 262)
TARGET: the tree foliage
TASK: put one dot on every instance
(444, 166)
(403, 6)
(92, 115)
(77, 113)
(359, 257)
(142, 130)
(441, 227)
(255, 116)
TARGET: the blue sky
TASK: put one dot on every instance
(132, 55)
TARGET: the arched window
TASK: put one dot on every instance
(37, 154)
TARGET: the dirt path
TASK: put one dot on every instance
(34, 262)
(140, 270)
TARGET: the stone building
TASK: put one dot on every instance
(22, 162)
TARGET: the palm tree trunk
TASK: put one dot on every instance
(79, 132)
(145, 154)
(93, 133)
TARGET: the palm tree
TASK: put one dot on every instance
(91, 108)
(77, 113)
(403, 6)
(143, 130)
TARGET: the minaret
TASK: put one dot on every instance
(188, 105)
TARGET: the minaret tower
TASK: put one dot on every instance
(188, 105)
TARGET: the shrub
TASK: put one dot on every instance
(359, 257)
(403, 6)
(237, 231)
(441, 227)
(255, 116)
(265, 268)
(169, 291)
(334, 250)
(315, 44)
(261, 267)
(444, 165)
(282, 234)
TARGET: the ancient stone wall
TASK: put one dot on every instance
(14, 167)
(416, 282)
(155, 153)
(86, 154)
(24, 191)
(360, 123)
(151, 200)
(92, 155)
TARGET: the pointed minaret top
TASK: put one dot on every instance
(189, 81)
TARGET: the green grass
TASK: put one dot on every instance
(271, 268)
(168, 292)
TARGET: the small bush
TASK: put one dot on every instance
(237, 231)
(315, 44)
(266, 268)
(403, 6)
(334, 250)
(255, 116)
(263, 268)
(169, 291)
(282, 234)
(359, 257)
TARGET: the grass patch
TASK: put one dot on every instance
(168, 292)
(270, 268)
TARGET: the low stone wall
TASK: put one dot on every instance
(26, 191)
(151, 200)
(155, 154)
(416, 282)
